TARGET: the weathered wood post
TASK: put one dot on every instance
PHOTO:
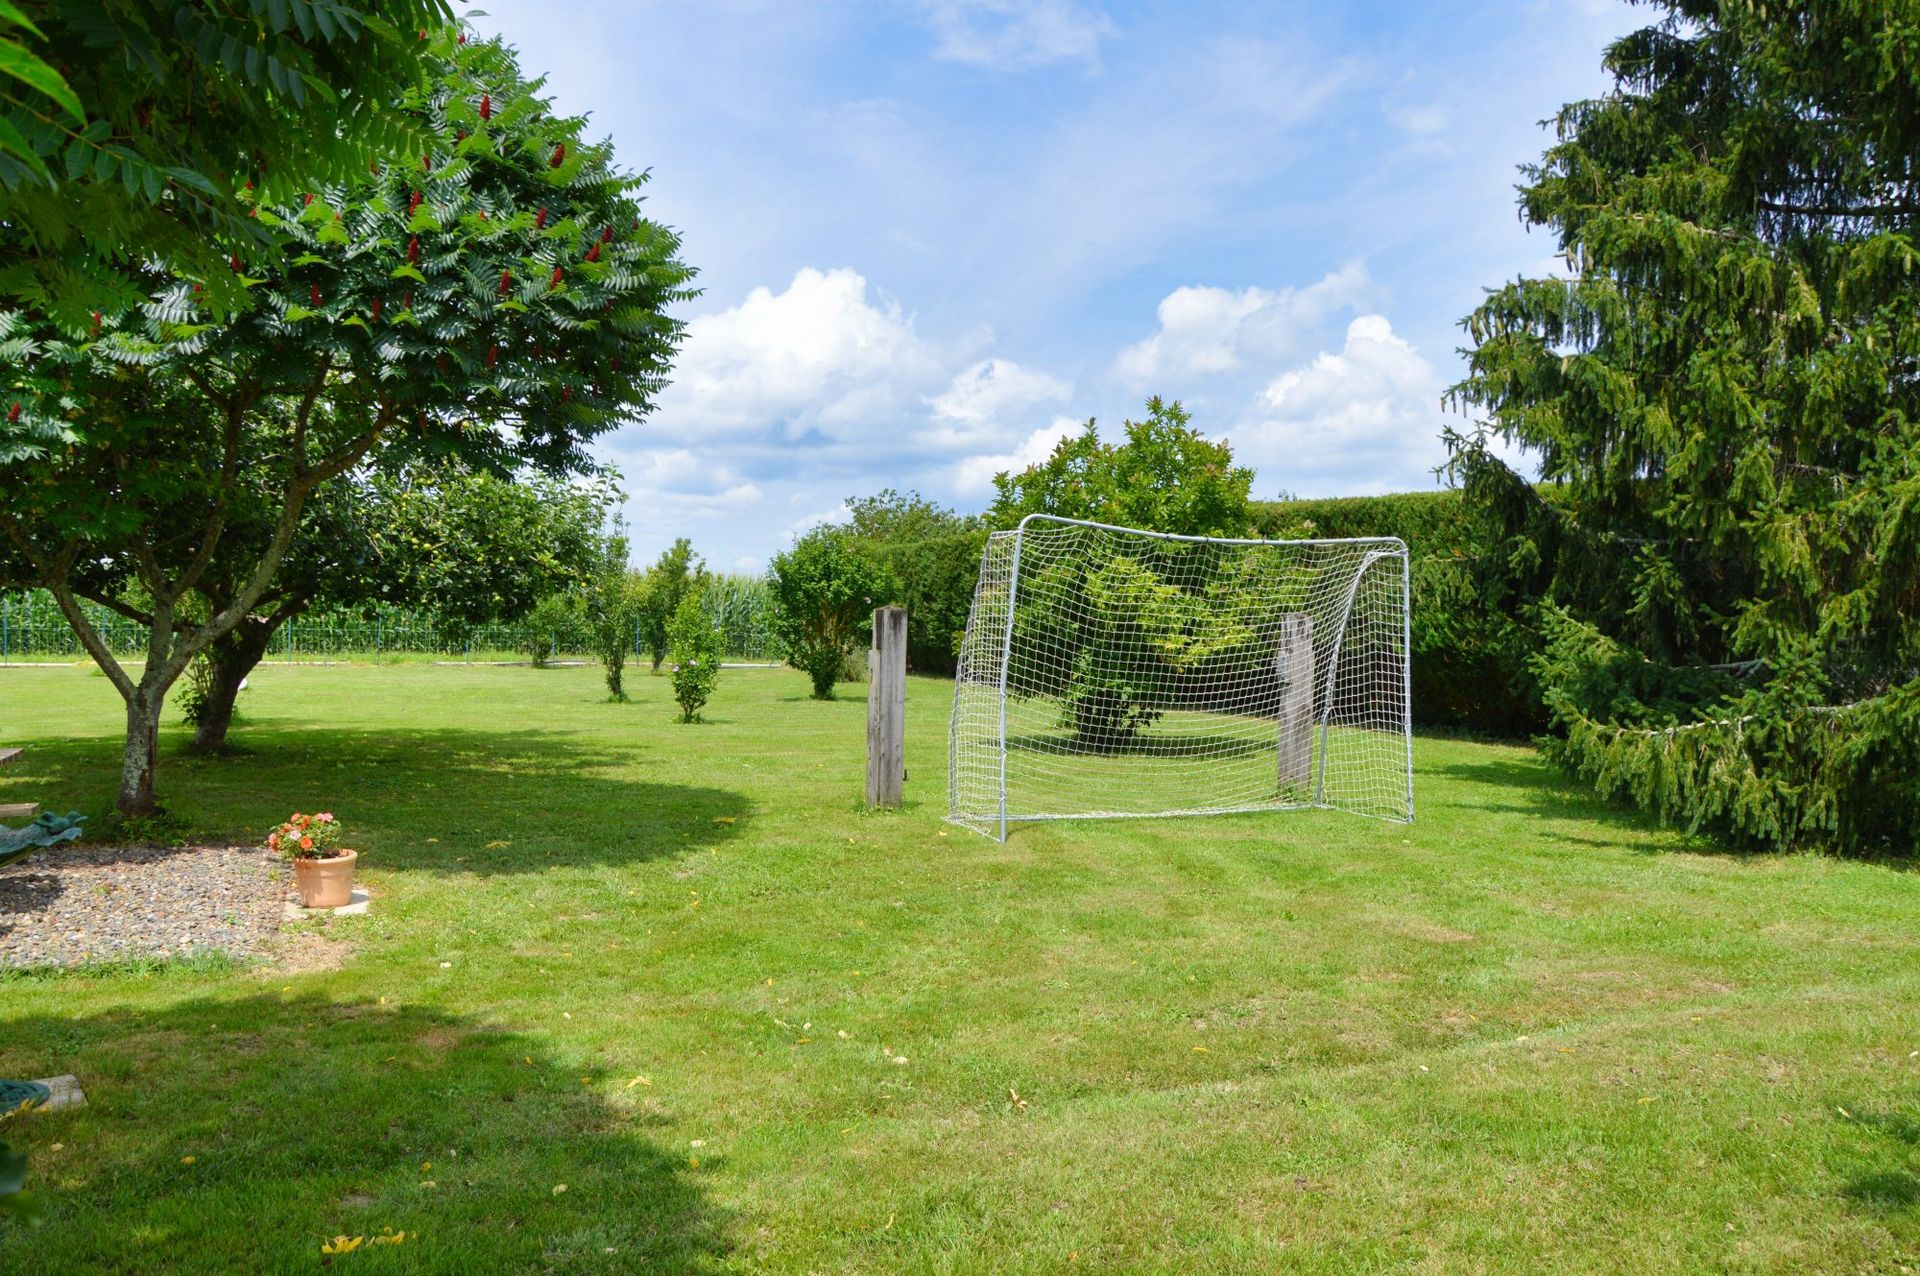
(887, 707)
(1293, 668)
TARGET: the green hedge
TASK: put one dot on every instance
(933, 578)
(1469, 666)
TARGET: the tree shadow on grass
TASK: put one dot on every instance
(443, 800)
(239, 1134)
(1535, 787)
(1893, 1188)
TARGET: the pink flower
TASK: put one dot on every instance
(325, 817)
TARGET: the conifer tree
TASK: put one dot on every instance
(1724, 401)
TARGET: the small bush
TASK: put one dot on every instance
(551, 618)
(195, 689)
(824, 590)
(694, 647)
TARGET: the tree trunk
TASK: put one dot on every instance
(143, 741)
(231, 659)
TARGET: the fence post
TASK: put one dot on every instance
(1293, 669)
(887, 707)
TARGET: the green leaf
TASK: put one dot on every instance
(13, 143)
(13, 17)
(16, 62)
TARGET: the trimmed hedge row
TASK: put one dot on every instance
(1469, 666)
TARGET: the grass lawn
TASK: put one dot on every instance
(677, 970)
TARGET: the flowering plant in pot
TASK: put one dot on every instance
(322, 868)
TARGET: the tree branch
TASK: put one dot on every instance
(217, 524)
(53, 577)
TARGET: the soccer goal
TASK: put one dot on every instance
(1112, 672)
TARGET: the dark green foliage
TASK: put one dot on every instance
(930, 557)
(140, 143)
(495, 296)
(1165, 476)
(612, 598)
(824, 593)
(677, 573)
(1724, 405)
(1471, 657)
(466, 547)
(551, 617)
(15, 1200)
(695, 644)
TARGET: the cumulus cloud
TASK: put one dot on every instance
(1017, 34)
(1207, 331)
(1365, 418)
(679, 476)
(819, 355)
(973, 476)
(988, 401)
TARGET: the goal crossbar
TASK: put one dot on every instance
(1110, 672)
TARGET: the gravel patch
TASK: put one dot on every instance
(77, 904)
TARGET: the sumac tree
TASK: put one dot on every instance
(498, 297)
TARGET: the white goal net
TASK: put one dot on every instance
(1113, 672)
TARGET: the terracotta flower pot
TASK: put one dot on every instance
(326, 883)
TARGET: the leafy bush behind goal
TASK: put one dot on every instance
(1470, 666)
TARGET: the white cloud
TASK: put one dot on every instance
(679, 476)
(820, 517)
(1017, 34)
(984, 403)
(974, 475)
(1363, 419)
(817, 356)
(1208, 331)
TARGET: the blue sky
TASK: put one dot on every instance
(933, 236)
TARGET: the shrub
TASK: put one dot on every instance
(1471, 659)
(824, 591)
(613, 609)
(678, 572)
(694, 645)
(552, 617)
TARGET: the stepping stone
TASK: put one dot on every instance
(19, 810)
(361, 901)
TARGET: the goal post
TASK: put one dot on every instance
(1109, 672)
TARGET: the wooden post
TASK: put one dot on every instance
(887, 707)
(1293, 668)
